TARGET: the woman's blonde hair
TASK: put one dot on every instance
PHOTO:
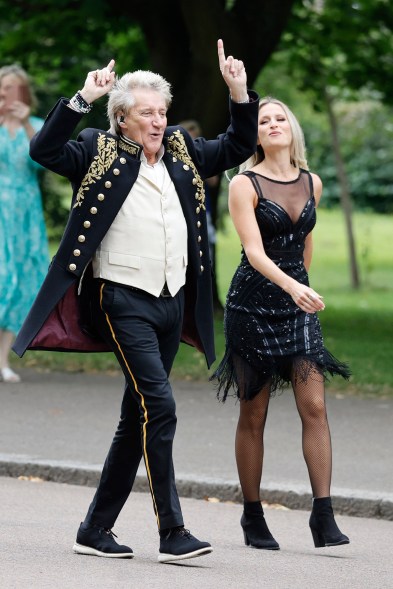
(21, 74)
(297, 147)
(121, 97)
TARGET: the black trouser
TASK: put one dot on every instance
(144, 333)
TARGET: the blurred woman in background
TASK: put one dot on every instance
(23, 242)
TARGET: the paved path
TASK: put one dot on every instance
(59, 426)
(39, 521)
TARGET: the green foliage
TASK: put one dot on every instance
(56, 197)
(366, 130)
(58, 43)
(342, 45)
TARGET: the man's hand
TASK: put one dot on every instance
(98, 83)
(234, 74)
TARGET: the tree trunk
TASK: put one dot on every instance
(345, 195)
(181, 37)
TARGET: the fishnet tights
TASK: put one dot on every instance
(249, 446)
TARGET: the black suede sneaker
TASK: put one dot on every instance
(95, 540)
(178, 544)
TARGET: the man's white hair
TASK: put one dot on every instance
(121, 97)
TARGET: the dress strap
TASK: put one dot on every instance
(310, 182)
(254, 181)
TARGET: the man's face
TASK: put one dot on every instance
(146, 121)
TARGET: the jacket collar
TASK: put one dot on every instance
(130, 146)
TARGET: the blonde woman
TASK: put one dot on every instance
(273, 335)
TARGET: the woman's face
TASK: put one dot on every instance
(11, 89)
(274, 129)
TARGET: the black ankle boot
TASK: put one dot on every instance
(256, 532)
(324, 529)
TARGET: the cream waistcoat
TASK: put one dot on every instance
(146, 244)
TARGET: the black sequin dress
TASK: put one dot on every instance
(268, 337)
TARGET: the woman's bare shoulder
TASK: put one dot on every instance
(241, 182)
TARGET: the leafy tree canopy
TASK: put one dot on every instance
(346, 46)
(59, 42)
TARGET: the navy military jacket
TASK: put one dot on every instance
(102, 169)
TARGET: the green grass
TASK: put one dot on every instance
(357, 325)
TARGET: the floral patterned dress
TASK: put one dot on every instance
(23, 242)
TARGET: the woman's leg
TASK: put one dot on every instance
(309, 389)
(7, 374)
(249, 443)
(249, 457)
(6, 339)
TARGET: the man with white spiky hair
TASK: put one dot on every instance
(132, 273)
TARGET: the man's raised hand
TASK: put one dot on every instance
(98, 82)
(234, 74)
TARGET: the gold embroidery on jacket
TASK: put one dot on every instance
(177, 146)
(130, 147)
(107, 153)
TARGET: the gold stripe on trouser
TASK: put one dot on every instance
(142, 403)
